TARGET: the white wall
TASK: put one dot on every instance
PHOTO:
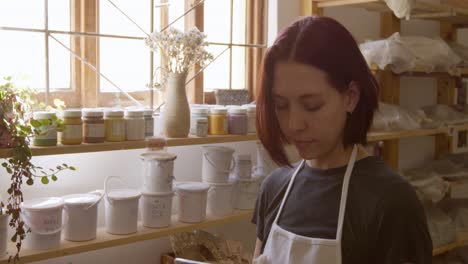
(93, 168)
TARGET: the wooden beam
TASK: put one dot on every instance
(90, 52)
(310, 7)
(195, 18)
(390, 88)
(445, 91)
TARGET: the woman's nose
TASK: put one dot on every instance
(296, 121)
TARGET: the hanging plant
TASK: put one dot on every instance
(16, 131)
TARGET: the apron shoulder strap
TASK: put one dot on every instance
(290, 184)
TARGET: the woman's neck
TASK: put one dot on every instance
(338, 157)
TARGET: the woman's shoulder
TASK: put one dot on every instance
(279, 177)
(375, 178)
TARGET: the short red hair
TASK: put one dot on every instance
(324, 43)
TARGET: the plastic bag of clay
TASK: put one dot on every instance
(401, 8)
(442, 115)
(388, 52)
(461, 51)
(447, 170)
(458, 211)
(441, 226)
(391, 117)
(428, 186)
(432, 54)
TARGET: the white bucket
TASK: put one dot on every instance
(243, 167)
(121, 209)
(265, 165)
(245, 193)
(217, 164)
(3, 233)
(80, 216)
(192, 201)
(157, 209)
(220, 199)
(158, 172)
(44, 217)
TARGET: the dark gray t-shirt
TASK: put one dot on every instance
(384, 221)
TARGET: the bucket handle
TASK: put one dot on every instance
(106, 189)
(231, 165)
(26, 219)
(99, 193)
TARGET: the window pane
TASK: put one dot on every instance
(23, 57)
(176, 9)
(216, 75)
(217, 20)
(59, 63)
(125, 62)
(112, 21)
(238, 30)
(59, 15)
(22, 13)
(238, 68)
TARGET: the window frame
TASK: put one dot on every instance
(84, 34)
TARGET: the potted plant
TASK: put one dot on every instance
(180, 51)
(16, 131)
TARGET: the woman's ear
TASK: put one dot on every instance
(353, 94)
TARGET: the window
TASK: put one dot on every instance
(91, 53)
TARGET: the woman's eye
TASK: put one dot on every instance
(313, 108)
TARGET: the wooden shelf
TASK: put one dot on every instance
(172, 142)
(452, 11)
(379, 136)
(109, 146)
(461, 241)
(419, 71)
(105, 240)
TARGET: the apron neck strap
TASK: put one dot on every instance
(291, 181)
(344, 192)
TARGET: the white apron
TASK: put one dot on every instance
(285, 247)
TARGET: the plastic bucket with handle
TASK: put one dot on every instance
(217, 164)
(44, 217)
(121, 209)
(80, 216)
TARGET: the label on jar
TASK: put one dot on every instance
(118, 128)
(94, 130)
(149, 127)
(72, 131)
(51, 133)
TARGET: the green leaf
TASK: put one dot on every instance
(45, 180)
(45, 122)
(72, 168)
(54, 178)
(9, 170)
(4, 164)
(30, 181)
(14, 238)
(59, 167)
(35, 123)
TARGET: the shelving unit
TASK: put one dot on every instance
(451, 14)
(105, 240)
(111, 146)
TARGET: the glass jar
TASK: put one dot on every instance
(251, 117)
(195, 113)
(217, 121)
(48, 133)
(237, 121)
(201, 127)
(72, 133)
(114, 125)
(149, 122)
(93, 126)
(134, 124)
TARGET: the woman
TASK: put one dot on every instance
(339, 205)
